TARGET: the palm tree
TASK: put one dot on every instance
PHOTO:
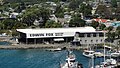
(110, 34)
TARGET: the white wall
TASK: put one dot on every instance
(47, 35)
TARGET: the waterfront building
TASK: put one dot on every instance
(81, 35)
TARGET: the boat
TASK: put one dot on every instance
(108, 47)
(98, 54)
(71, 62)
(56, 49)
(88, 53)
(108, 63)
(115, 54)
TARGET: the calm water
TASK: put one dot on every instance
(36, 58)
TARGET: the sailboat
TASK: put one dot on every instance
(71, 62)
(107, 63)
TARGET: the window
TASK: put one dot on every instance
(91, 35)
(94, 34)
(96, 40)
(101, 40)
(91, 40)
(88, 35)
(85, 35)
(101, 34)
(85, 41)
(81, 35)
(97, 34)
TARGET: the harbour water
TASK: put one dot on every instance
(36, 58)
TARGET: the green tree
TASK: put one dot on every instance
(74, 4)
(19, 25)
(102, 26)
(103, 11)
(77, 22)
(14, 33)
(94, 24)
(8, 23)
(111, 35)
(85, 9)
(52, 24)
(64, 0)
(1, 25)
(59, 12)
(20, 7)
(35, 13)
(118, 32)
(114, 3)
(118, 28)
(110, 28)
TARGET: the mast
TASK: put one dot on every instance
(110, 49)
(92, 61)
(104, 47)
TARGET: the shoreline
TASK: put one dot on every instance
(63, 46)
(41, 46)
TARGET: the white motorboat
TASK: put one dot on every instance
(115, 54)
(88, 53)
(57, 49)
(71, 62)
(98, 54)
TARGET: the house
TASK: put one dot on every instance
(53, 17)
(101, 20)
(14, 15)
